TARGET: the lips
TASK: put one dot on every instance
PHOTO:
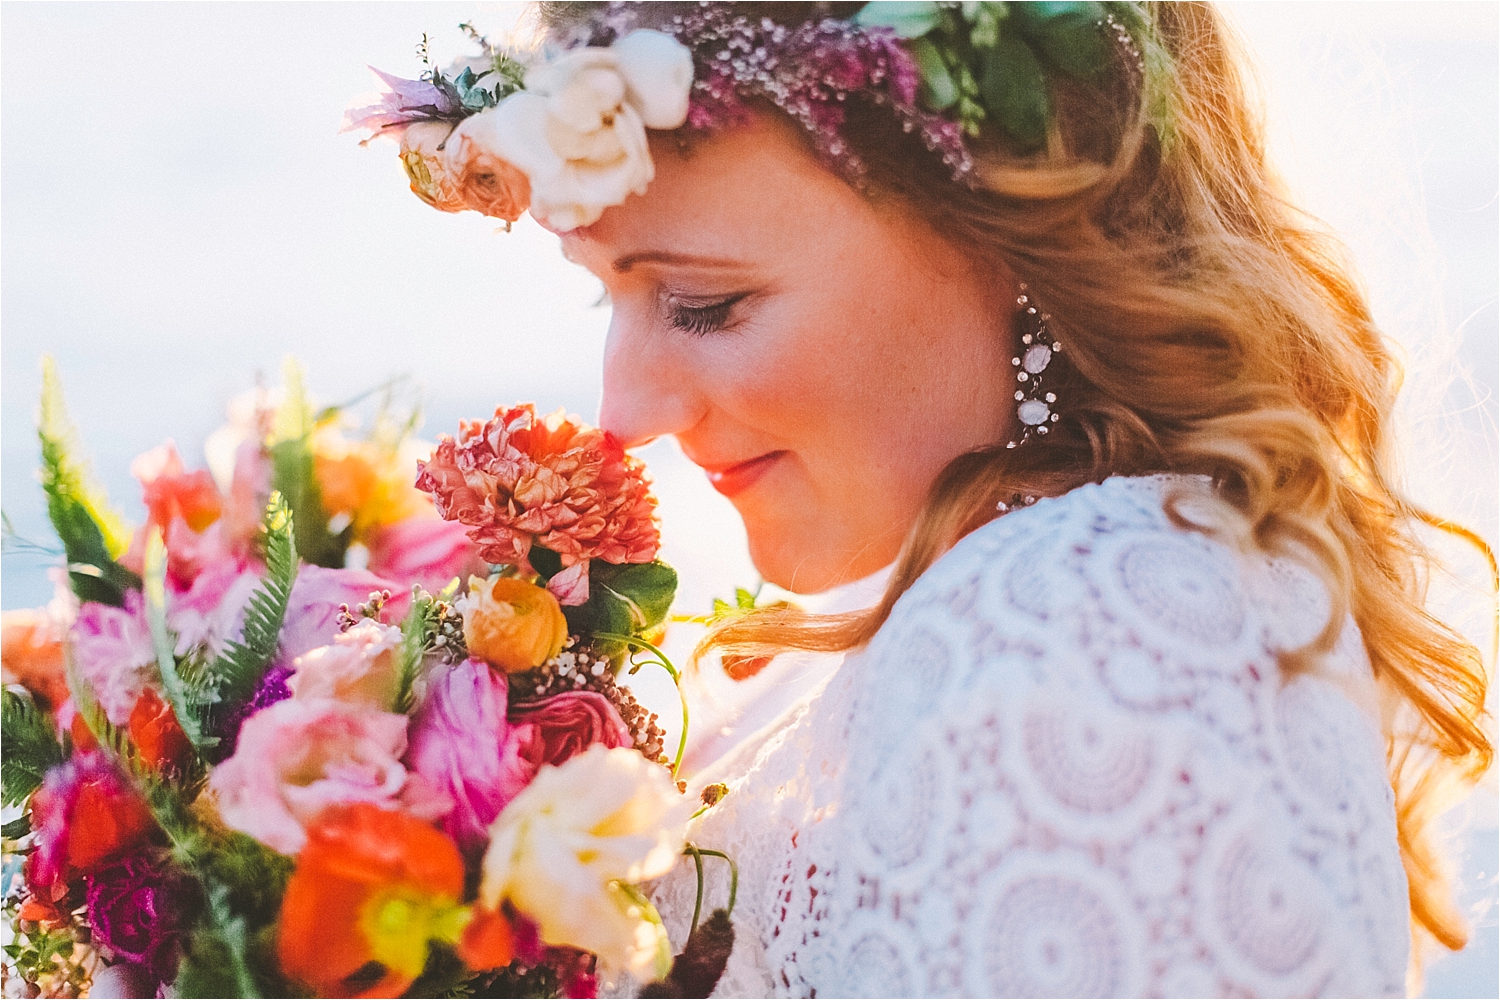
(732, 480)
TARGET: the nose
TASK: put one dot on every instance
(648, 388)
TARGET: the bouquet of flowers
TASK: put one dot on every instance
(240, 763)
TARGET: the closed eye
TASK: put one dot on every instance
(701, 319)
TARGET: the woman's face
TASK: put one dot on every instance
(820, 356)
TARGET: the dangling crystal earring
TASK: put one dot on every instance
(1035, 403)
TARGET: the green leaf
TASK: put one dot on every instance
(187, 701)
(907, 20)
(939, 91)
(1015, 92)
(16, 828)
(31, 747)
(604, 611)
(294, 475)
(1070, 34)
(648, 587)
(92, 533)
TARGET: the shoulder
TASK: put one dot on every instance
(1064, 571)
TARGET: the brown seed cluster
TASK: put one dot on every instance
(371, 607)
(580, 669)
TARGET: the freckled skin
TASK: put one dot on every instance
(866, 353)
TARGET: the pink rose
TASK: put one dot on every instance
(296, 758)
(427, 551)
(114, 654)
(565, 725)
(358, 668)
(462, 744)
(312, 616)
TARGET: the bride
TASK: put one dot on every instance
(1007, 296)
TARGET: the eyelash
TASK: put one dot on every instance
(701, 320)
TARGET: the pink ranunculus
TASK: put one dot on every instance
(298, 757)
(567, 724)
(211, 612)
(113, 653)
(424, 550)
(358, 668)
(312, 616)
(462, 744)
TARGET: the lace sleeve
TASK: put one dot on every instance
(1074, 770)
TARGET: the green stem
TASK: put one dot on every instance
(674, 673)
(698, 902)
(734, 877)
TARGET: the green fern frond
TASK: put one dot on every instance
(237, 671)
(93, 534)
(417, 632)
(31, 748)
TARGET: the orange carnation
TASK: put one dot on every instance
(512, 624)
(515, 480)
(372, 889)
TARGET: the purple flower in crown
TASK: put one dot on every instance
(401, 104)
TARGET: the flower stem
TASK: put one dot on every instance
(674, 673)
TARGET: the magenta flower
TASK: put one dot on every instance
(463, 745)
(138, 908)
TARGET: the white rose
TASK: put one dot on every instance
(561, 848)
(578, 130)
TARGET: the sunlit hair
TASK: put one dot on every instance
(1211, 328)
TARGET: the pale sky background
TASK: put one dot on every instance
(180, 214)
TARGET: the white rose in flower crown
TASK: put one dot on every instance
(560, 849)
(578, 130)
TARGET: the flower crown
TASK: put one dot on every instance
(562, 132)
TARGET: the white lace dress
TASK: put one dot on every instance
(1068, 766)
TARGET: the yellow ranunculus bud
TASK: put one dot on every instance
(512, 624)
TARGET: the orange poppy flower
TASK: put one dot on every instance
(372, 889)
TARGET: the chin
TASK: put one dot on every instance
(800, 561)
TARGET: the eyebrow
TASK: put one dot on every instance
(625, 263)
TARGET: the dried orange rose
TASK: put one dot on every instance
(512, 624)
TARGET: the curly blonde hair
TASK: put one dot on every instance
(1212, 329)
